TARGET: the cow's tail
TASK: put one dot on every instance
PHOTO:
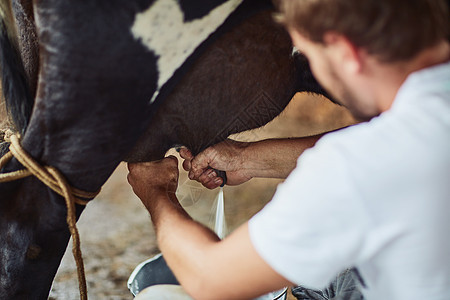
(15, 86)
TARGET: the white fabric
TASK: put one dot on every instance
(375, 196)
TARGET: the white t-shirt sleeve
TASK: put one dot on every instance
(315, 224)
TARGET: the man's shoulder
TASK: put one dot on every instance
(432, 82)
(393, 145)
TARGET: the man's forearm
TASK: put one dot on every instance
(205, 266)
(275, 158)
(182, 240)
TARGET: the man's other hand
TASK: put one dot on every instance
(151, 179)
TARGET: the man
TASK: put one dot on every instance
(374, 196)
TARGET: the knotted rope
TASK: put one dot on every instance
(52, 178)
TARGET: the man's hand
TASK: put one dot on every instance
(272, 158)
(226, 156)
(152, 179)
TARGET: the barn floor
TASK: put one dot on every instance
(115, 229)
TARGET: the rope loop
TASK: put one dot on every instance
(5, 135)
(52, 178)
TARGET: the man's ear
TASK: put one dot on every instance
(343, 51)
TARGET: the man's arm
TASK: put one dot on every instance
(272, 158)
(206, 267)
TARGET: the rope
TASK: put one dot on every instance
(52, 178)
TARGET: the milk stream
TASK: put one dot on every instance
(220, 226)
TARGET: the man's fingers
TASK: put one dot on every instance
(185, 153)
(207, 176)
(187, 165)
(214, 183)
(198, 165)
(210, 180)
(194, 174)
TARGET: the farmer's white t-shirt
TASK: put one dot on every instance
(375, 196)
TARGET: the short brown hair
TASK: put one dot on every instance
(392, 30)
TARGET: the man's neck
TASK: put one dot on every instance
(391, 76)
(438, 54)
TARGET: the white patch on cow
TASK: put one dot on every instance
(162, 30)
